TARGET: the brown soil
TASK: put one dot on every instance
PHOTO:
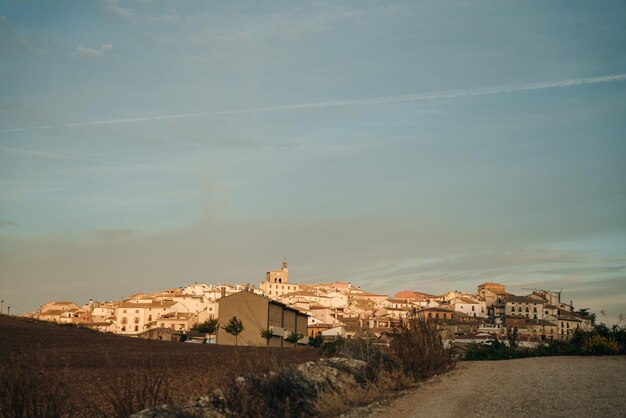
(90, 360)
(532, 387)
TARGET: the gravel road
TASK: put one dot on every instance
(533, 387)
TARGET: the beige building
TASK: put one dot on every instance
(470, 307)
(529, 307)
(54, 311)
(176, 321)
(134, 318)
(259, 313)
(277, 283)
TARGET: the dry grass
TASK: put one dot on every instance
(418, 350)
(48, 370)
(30, 389)
(385, 385)
(33, 386)
(136, 390)
(416, 353)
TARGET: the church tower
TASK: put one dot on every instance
(277, 283)
(278, 276)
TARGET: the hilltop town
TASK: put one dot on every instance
(278, 309)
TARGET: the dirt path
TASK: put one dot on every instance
(536, 387)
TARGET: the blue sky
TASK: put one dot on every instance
(431, 146)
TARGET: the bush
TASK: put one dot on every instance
(493, 350)
(332, 348)
(365, 350)
(418, 350)
(597, 345)
(279, 394)
(316, 342)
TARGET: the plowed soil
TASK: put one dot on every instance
(92, 361)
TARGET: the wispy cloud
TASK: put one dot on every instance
(6, 223)
(92, 53)
(114, 7)
(37, 153)
(384, 100)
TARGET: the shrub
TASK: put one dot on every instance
(365, 350)
(316, 342)
(332, 348)
(597, 345)
(493, 350)
(417, 349)
(294, 337)
(278, 394)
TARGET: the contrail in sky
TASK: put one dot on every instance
(445, 94)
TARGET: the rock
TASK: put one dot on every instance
(328, 374)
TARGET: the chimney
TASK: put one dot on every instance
(223, 291)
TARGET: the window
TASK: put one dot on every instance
(136, 320)
(136, 328)
(136, 310)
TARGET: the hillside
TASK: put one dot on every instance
(90, 361)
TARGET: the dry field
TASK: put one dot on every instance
(93, 363)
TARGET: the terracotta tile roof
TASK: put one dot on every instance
(521, 299)
(53, 312)
(151, 305)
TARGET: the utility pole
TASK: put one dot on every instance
(8, 310)
(1, 305)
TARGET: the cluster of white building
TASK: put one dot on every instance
(333, 309)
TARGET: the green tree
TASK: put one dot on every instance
(207, 327)
(267, 334)
(294, 337)
(234, 326)
(317, 341)
(513, 338)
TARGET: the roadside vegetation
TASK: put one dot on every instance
(354, 372)
(600, 341)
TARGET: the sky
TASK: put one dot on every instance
(428, 146)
